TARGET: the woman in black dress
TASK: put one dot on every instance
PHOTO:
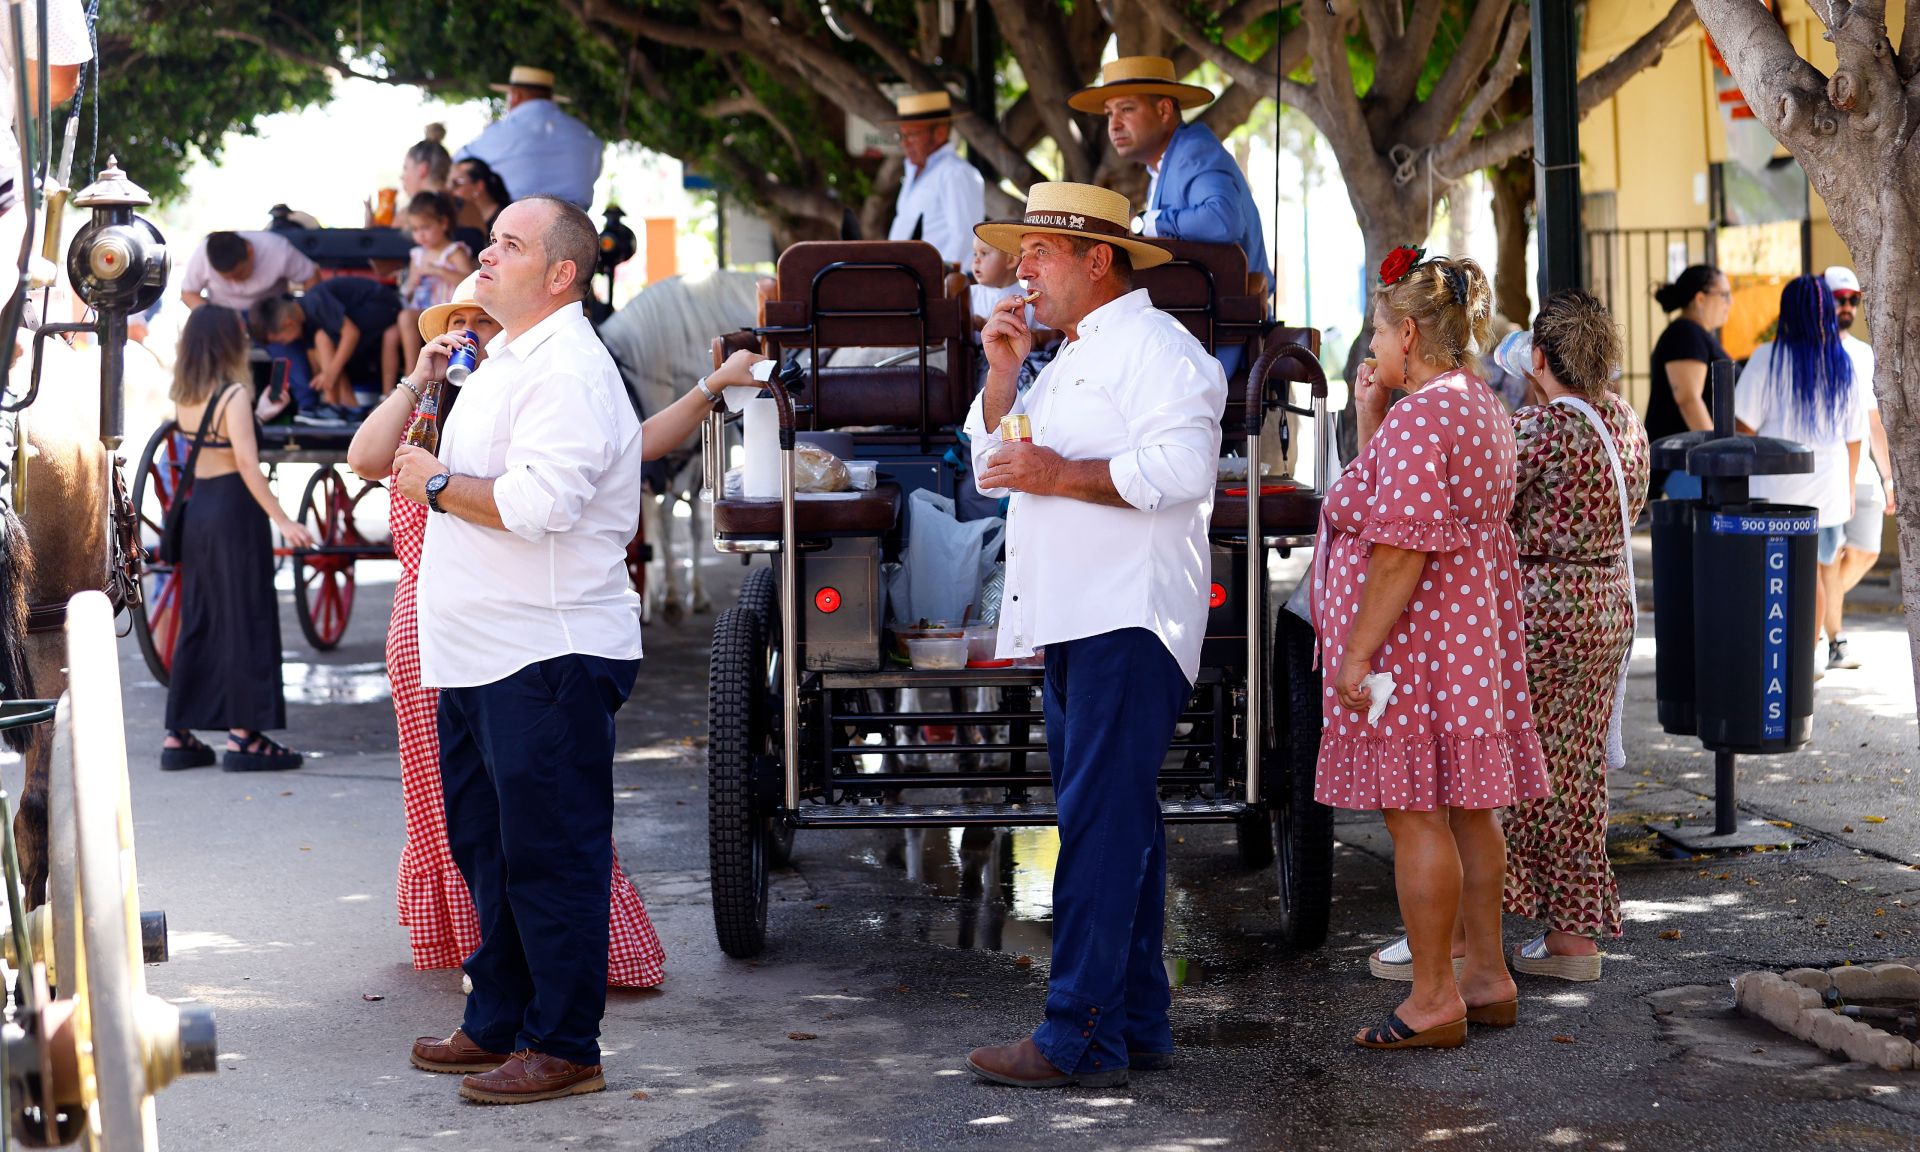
(226, 660)
(1681, 391)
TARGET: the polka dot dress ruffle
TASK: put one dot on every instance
(1438, 477)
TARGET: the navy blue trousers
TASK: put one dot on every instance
(1111, 703)
(527, 767)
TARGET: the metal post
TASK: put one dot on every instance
(1724, 799)
(1256, 596)
(113, 363)
(1556, 145)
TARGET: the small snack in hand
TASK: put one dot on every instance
(1026, 296)
(1371, 362)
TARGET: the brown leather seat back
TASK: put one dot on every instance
(1204, 287)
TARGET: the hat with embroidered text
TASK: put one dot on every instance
(1074, 210)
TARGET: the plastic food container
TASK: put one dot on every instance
(932, 652)
(982, 639)
(903, 635)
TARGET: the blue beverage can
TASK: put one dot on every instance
(461, 362)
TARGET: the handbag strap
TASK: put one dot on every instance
(1619, 474)
(185, 487)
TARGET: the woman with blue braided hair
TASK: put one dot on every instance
(1801, 386)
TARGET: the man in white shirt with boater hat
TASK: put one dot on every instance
(1873, 484)
(942, 196)
(1107, 574)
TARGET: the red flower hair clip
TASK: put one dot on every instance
(1399, 264)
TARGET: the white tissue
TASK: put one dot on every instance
(761, 478)
(1380, 685)
(737, 398)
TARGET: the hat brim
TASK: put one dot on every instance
(1094, 99)
(1005, 235)
(555, 97)
(433, 321)
(942, 116)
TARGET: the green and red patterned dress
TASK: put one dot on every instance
(1579, 626)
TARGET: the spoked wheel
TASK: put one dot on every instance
(760, 596)
(157, 626)
(323, 584)
(1302, 827)
(128, 1044)
(737, 734)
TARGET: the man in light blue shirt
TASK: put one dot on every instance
(536, 148)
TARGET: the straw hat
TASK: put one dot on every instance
(433, 321)
(1074, 210)
(524, 76)
(918, 107)
(1138, 76)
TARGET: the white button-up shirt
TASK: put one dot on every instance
(547, 418)
(540, 150)
(1136, 389)
(944, 199)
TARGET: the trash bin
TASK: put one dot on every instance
(1673, 591)
(1754, 572)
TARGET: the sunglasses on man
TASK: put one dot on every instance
(1847, 299)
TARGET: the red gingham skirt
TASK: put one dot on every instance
(434, 905)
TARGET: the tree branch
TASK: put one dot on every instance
(1436, 114)
(1293, 50)
(1866, 80)
(1040, 47)
(1506, 66)
(1509, 141)
(1393, 87)
(326, 64)
(1786, 93)
(702, 37)
(1910, 42)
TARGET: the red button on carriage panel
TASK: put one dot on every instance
(827, 600)
(1216, 596)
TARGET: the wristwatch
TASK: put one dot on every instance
(435, 486)
(713, 397)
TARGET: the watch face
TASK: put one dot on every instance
(436, 483)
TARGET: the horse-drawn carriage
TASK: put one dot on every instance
(804, 729)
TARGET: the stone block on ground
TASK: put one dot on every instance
(1854, 983)
(1815, 978)
(1891, 981)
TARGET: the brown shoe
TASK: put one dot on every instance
(454, 1054)
(1023, 1066)
(528, 1076)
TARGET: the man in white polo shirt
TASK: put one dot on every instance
(1107, 571)
(941, 195)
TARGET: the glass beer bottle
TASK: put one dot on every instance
(423, 431)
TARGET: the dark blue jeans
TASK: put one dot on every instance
(1111, 702)
(527, 767)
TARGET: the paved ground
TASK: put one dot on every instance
(898, 953)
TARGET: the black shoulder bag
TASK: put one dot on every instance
(173, 526)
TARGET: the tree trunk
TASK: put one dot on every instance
(1512, 186)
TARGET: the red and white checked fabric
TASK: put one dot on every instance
(434, 904)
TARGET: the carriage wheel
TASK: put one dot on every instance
(1302, 827)
(323, 585)
(760, 596)
(739, 733)
(157, 626)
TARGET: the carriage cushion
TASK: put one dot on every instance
(920, 272)
(862, 397)
(870, 513)
(1292, 511)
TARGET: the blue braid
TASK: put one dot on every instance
(1808, 342)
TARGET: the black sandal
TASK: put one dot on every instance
(259, 753)
(1396, 1033)
(192, 752)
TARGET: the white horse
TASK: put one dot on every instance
(663, 342)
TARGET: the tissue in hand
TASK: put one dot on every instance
(1380, 685)
(737, 398)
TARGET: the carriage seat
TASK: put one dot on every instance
(1286, 509)
(871, 513)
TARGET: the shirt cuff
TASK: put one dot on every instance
(1130, 480)
(524, 504)
(1149, 222)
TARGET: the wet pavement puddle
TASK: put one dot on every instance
(334, 683)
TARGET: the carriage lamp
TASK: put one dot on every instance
(827, 600)
(1216, 596)
(118, 265)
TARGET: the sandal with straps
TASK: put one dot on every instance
(191, 753)
(1396, 1033)
(259, 753)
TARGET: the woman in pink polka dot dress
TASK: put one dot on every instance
(1416, 577)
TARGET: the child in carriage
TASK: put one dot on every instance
(436, 264)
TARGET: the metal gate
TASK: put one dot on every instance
(1624, 266)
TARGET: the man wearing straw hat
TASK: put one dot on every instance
(1107, 573)
(942, 196)
(1195, 191)
(536, 148)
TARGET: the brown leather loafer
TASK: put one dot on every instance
(456, 1053)
(528, 1076)
(1022, 1066)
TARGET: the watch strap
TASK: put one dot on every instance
(434, 490)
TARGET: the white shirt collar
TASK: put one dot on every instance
(523, 345)
(1113, 311)
(945, 151)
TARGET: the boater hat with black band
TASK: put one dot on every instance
(1138, 76)
(524, 76)
(1074, 210)
(923, 107)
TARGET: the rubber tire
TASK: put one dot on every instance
(760, 595)
(1302, 827)
(1253, 839)
(736, 840)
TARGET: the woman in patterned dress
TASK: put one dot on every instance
(1579, 599)
(1416, 579)
(435, 906)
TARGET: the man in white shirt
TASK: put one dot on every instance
(537, 149)
(1873, 498)
(1107, 571)
(942, 196)
(529, 628)
(240, 269)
